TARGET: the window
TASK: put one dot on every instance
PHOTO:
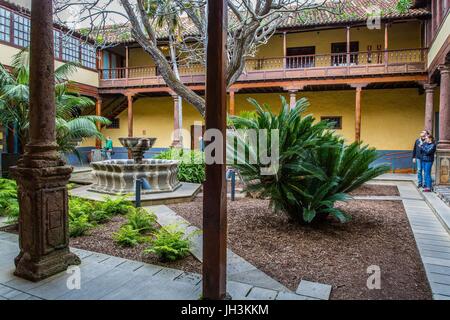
(334, 121)
(88, 56)
(71, 49)
(115, 124)
(300, 57)
(21, 31)
(57, 43)
(5, 25)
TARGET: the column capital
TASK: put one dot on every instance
(444, 68)
(358, 86)
(429, 87)
(129, 94)
(294, 89)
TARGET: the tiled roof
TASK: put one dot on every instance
(335, 13)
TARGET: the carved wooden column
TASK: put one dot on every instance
(348, 45)
(386, 43)
(443, 152)
(215, 188)
(177, 122)
(232, 102)
(429, 106)
(98, 112)
(358, 88)
(41, 175)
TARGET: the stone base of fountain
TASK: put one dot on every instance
(118, 177)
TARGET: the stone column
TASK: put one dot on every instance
(443, 152)
(130, 120)
(98, 112)
(41, 175)
(177, 122)
(429, 106)
(292, 98)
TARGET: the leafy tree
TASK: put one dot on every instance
(315, 169)
(15, 105)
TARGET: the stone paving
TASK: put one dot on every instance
(433, 240)
(105, 277)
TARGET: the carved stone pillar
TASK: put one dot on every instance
(177, 122)
(429, 106)
(292, 98)
(443, 148)
(41, 175)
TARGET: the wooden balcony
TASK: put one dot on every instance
(319, 66)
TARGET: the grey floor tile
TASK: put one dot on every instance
(314, 290)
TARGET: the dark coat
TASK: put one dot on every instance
(417, 151)
(428, 151)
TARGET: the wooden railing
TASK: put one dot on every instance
(278, 68)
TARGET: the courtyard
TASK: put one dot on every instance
(224, 150)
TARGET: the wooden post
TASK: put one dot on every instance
(348, 45)
(214, 190)
(386, 43)
(127, 63)
(358, 112)
(41, 174)
(284, 50)
(98, 113)
(232, 102)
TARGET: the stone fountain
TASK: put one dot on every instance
(119, 177)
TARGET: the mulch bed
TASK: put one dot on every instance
(376, 190)
(332, 253)
(100, 239)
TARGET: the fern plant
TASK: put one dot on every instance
(9, 204)
(116, 206)
(141, 220)
(78, 224)
(315, 167)
(170, 243)
(127, 236)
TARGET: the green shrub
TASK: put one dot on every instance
(9, 205)
(141, 220)
(248, 115)
(315, 167)
(192, 164)
(170, 243)
(117, 206)
(127, 236)
(78, 224)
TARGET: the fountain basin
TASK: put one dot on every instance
(118, 177)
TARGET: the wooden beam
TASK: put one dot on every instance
(215, 189)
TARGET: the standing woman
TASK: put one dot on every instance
(428, 151)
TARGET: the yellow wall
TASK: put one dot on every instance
(81, 75)
(391, 119)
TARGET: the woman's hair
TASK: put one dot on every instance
(431, 138)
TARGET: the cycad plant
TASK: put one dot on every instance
(315, 167)
(71, 127)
